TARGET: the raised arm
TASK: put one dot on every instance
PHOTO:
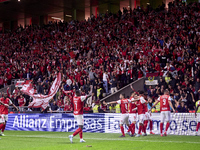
(4, 104)
(114, 102)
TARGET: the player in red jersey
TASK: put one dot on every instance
(165, 112)
(2, 122)
(124, 110)
(147, 117)
(78, 102)
(141, 112)
(132, 109)
(198, 124)
(4, 103)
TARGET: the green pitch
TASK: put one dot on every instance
(24, 140)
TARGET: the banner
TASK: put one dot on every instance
(40, 100)
(181, 123)
(27, 88)
(55, 122)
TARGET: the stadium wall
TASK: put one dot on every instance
(137, 85)
(181, 123)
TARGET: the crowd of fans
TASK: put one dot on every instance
(103, 54)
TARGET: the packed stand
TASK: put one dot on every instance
(103, 54)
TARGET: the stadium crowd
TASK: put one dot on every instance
(107, 52)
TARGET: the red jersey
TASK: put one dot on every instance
(78, 104)
(164, 102)
(21, 101)
(124, 105)
(4, 109)
(140, 106)
(67, 107)
(145, 107)
(131, 107)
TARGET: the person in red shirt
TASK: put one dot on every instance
(165, 112)
(124, 110)
(86, 108)
(141, 112)
(21, 102)
(4, 103)
(67, 106)
(78, 102)
(132, 113)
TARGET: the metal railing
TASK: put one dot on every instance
(137, 85)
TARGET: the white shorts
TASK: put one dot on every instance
(5, 117)
(79, 119)
(165, 115)
(141, 118)
(2, 120)
(124, 119)
(133, 117)
(147, 116)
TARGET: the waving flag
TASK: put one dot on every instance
(40, 100)
(28, 89)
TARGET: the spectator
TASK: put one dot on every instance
(21, 102)
(113, 85)
(90, 100)
(112, 108)
(105, 81)
(60, 103)
(86, 108)
(181, 107)
(54, 107)
(67, 106)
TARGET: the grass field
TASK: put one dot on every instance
(24, 140)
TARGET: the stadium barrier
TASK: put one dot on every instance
(181, 123)
(137, 85)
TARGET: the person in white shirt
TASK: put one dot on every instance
(105, 81)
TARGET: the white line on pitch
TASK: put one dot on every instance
(109, 139)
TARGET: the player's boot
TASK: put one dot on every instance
(138, 135)
(152, 132)
(165, 133)
(122, 136)
(71, 138)
(196, 133)
(161, 134)
(82, 141)
(144, 134)
(2, 134)
(129, 133)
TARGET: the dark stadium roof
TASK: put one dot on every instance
(14, 10)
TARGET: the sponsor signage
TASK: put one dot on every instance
(181, 123)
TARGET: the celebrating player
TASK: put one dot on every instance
(165, 104)
(141, 112)
(124, 110)
(2, 122)
(147, 117)
(4, 103)
(78, 102)
(132, 114)
(198, 124)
